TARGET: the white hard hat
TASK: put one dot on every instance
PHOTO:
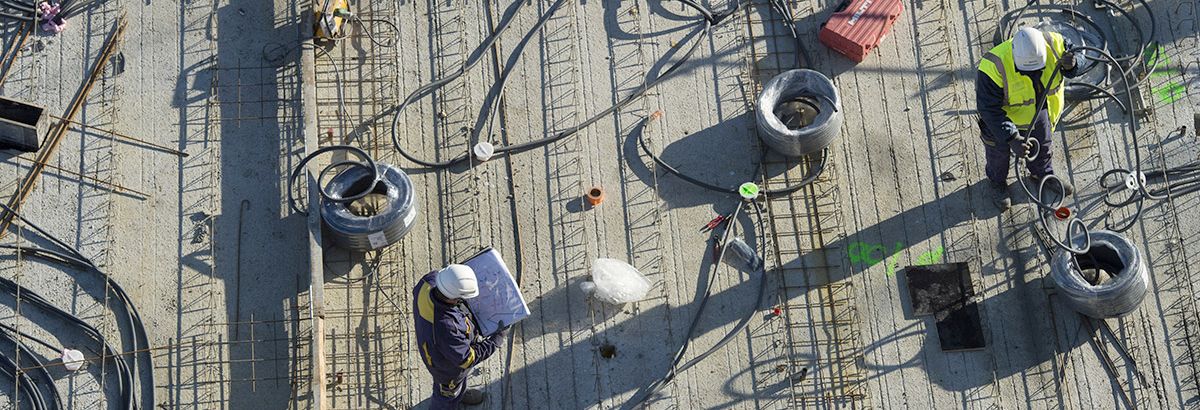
(457, 281)
(1029, 49)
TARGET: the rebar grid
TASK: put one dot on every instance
(358, 84)
(817, 294)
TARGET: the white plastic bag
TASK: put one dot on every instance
(616, 282)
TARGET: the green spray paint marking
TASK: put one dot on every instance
(1170, 91)
(748, 190)
(862, 252)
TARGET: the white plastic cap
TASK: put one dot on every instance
(1029, 49)
(72, 359)
(483, 151)
(457, 281)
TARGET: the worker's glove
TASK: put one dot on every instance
(499, 336)
(1068, 61)
(1021, 146)
(1010, 130)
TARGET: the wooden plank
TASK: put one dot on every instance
(316, 270)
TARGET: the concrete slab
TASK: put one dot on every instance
(219, 267)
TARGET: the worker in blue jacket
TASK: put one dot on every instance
(448, 339)
(1013, 78)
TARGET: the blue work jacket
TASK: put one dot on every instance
(446, 334)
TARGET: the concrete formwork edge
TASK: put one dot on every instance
(308, 110)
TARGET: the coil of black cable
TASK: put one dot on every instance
(386, 225)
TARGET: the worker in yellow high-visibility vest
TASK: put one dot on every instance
(1013, 79)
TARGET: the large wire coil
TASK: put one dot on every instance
(1086, 293)
(388, 223)
(810, 91)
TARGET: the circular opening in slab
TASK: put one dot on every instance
(607, 351)
(797, 113)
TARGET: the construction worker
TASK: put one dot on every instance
(1013, 78)
(448, 339)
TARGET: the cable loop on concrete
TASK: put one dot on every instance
(367, 164)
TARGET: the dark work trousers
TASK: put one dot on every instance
(448, 395)
(998, 154)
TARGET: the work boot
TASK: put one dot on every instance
(1000, 195)
(472, 397)
(1067, 188)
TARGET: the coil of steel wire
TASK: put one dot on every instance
(1080, 279)
(799, 113)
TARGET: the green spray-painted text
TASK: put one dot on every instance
(871, 254)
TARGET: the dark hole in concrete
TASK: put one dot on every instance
(607, 351)
(1104, 262)
(797, 113)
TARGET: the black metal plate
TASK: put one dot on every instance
(933, 288)
(959, 329)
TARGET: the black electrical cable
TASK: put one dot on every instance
(1102, 93)
(432, 86)
(1179, 180)
(134, 326)
(337, 69)
(710, 20)
(39, 367)
(25, 383)
(26, 335)
(48, 255)
(18, 6)
(814, 172)
(125, 378)
(16, 17)
(366, 162)
(676, 368)
(762, 291)
(1076, 224)
(783, 8)
(370, 36)
(28, 11)
(658, 384)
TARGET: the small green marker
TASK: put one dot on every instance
(748, 190)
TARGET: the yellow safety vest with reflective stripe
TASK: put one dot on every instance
(1019, 94)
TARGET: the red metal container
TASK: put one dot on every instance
(860, 25)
